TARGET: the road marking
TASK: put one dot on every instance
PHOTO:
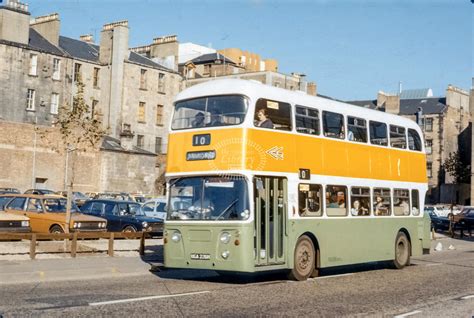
(434, 264)
(144, 298)
(467, 297)
(411, 313)
(332, 276)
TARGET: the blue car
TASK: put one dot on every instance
(123, 216)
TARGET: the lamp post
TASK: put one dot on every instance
(33, 170)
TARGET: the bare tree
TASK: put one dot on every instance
(81, 130)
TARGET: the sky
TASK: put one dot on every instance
(351, 49)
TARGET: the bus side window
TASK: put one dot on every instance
(398, 138)
(378, 133)
(307, 120)
(415, 202)
(360, 201)
(272, 114)
(309, 199)
(401, 202)
(356, 129)
(382, 201)
(336, 197)
(333, 125)
(414, 140)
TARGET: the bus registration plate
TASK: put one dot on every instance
(200, 256)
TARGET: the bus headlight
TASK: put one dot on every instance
(176, 237)
(25, 223)
(225, 237)
(225, 254)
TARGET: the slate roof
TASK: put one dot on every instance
(113, 144)
(211, 58)
(80, 49)
(36, 41)
(416, 93)
(431, 105)
(140, 59)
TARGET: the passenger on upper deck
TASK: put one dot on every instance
(216, 118)
(198, 120)
(263, 120)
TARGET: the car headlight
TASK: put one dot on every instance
(225, 237)
(104, 225)
(144, 225)
(176, 237)
(77, 225)
(25, 223)
(225, 254)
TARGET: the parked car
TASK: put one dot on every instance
(443, 210)
(464, 220)
(10, 222)
(48, 214)
(438, 223)
(4, 199)
(78, 197)
(138, 197)
(39, 191)
(155, 208)
(123, 216)
(9, 190)
(114, 196)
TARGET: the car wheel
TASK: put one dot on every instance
(56, 229)
(402, 251)
(304, 259)
(129, 229)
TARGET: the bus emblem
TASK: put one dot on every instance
(276, 152)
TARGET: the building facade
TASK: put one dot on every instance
(446, 126)
(133, 94)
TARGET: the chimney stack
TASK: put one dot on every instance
(165, 50)
(390, 102)
(88, 38)
(15, 22)
(48, 26)
(113, 42)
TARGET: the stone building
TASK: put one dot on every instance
(251, 62)
(39, 70)
(445, 123)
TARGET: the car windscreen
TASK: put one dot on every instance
(212, 111)
(58, 205)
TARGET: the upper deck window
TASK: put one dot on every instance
(333, 124)
(398, 139)
(356, 129)
(378, 133)
(272, 114)
(210, 111)
(307, 120)
(414, 140)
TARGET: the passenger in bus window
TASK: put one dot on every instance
(216, 118)
(405, 206)
(263, 120)
(198, 120)
(358, 209)
(380, 208)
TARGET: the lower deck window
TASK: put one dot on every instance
(309, 200)
(401, 202)
(382, 201)
(336, 200)
(360, 201)
(415, 202)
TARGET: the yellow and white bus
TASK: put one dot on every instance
(261, 178)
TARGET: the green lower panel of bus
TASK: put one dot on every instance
(232, 247)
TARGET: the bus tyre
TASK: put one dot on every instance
(304, 259)
(402, 251)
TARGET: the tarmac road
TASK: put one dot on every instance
(436, 285)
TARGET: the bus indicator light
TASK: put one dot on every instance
(305, 174)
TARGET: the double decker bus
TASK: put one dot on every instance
(261, 178)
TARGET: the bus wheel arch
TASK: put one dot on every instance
(402, 249)
(305, 257)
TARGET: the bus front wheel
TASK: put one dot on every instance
(402, 251)
(304, 259)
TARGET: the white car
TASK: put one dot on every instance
(155, 208)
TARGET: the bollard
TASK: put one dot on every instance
(74, 244)
(33, 246)
(142, 244)
(111, 244)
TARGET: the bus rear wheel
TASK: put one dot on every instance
(402, 251)
(304, 259)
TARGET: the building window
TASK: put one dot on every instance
(356, 129)
(333, 125)
(161, 83)
(54, 103)
(141, 112)
(33, 65)
(158, 145)
(140, 141)
(95, 102)
(96, 77)
(307, 120)
(77, 72)
(336, 200)
(429, 146)
(30, 99)
(309, 199)
(159, 115)
(398, 138)
(429, 124)
(56, 69)
(429, 169)
(142, 79)
(378, 133)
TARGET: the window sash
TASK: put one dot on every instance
(56, 69)
(33, 64)
(30, 99)
(54, 103)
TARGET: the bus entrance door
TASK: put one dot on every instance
(270, 202)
